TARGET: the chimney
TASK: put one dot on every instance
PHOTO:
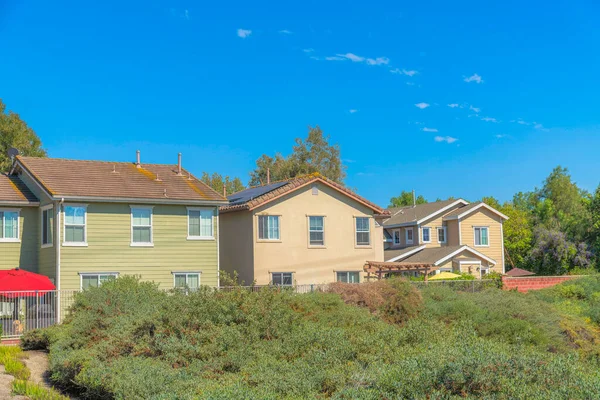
(414, 198)
(138, 163)
(224, 191)
(179, 164)
(268, 176)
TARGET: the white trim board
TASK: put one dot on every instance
(463, 248)
(477, 207)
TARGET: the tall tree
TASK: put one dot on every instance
(314, 154)
(14, 132)
(406, 199)
(217, 182)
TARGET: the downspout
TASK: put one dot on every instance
(58, 205)
(218, 251)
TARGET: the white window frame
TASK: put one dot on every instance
(442, 228)
(43, 209)
(487, 228)
(98, 274)
(85, 234)
(308, 217)
(200, 209)
(394, 233)
(347, 272)
(423, 236)
(187, 273)
(282, 285)
(412, 234)
(146, 244)
(267, 239)
(18, 238)
(356, 231)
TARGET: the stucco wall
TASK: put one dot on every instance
(293, 253)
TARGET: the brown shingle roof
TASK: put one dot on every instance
(118, 180)
(432, 255)
(519, 272)
(393, 253)
(464, 209)
(13, 190)
(410, 214)
(274, 191)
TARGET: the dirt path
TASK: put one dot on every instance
(37, 362)
(6, 386)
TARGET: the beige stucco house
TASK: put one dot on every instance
(451, 235)
(83, 222)
(307, 230)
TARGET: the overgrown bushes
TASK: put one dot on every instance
(128, 340)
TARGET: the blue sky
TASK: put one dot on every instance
(224, 82)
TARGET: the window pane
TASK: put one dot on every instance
(262, 227)
(362, 224)
(1, 225)
(104, 278)
(141, 234)
(342, 277)
(141, 216)
(193, 281)
(477, 236)
(484, 236)
(409, 234)
(353, 277)
(75, 234)
(179, 280)
(194, 223)
(277, 279)
(74, 215)
(88, 281)
(274, 227)
(441, 234)
(362, 238)
(287, 279)
(316, 223)
(206, 223)
(426, 234)
(316, 238)
(11, 225)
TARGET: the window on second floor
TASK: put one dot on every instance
(481, 236)
(282, 278)
(200, 223)
(141, 226)
(409, 235)
(426, 233)
(316, 231)
(396, 237)
(9, 225)
(75, 225)
(363, 231)
(47, 226)
(441, 231)
(268, 227)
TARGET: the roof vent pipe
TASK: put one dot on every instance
(414, 199)
(179, 164)
(224, 191)
(138, 163)
(268, 176)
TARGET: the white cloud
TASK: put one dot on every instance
(186, 14)
(429, 129)
(365, 174)
(378, 61)
(538, 126)
(500, 136)
(454, 105)
(286, 32)
(410, 83)
(308, 50)
(335, 58)
(352, 57)
(244, 33)
(447, 139)
(404, 72)
(352, 111)
(422, 106)
(474, 78)
(489, 119)
(474, 109)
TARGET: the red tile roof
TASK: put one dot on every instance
(292, 185)
(117, 180)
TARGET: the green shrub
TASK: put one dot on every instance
(35, 392)
(129, 340)
(39, 339)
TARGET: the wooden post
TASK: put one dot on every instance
(427, 275)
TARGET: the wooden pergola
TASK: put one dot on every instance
(381, 267)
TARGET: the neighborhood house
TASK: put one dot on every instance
(83, 222)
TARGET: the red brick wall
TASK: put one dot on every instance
(526, 283)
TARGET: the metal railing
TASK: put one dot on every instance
(22, 311)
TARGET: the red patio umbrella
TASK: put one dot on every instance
(28, 283)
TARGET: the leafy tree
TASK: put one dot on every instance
(217, 182)
(554, 254)
(406, 199)
(314, 154)
(14, 132)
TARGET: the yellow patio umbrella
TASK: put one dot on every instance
(444, 276)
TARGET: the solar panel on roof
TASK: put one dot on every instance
(246, 195)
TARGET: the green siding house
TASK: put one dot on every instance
(83, 222)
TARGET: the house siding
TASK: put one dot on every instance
(293, 254)
(109, 250)
(453, 233)
(236, 245)
(22, 254)
(484, 217)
